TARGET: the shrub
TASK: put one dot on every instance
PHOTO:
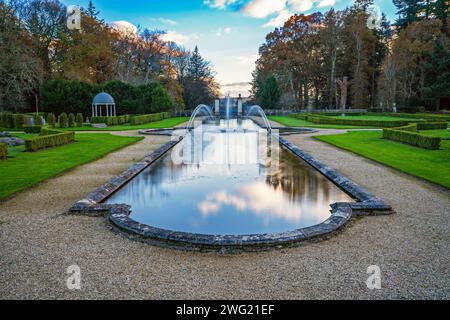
(71, 120)
(3, 151)
(51, 120)
(19, 121)
(63, 120)
(48, 139)
(321, 119)
(79, 120)
(146, 118)
(32, 129)
(432, 126)
(413, 139)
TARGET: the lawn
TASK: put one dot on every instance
(294, 122)
(166, 123)
(26, 169)
(431, 165)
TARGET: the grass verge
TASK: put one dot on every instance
(26, 169)
(166, 123)
(431, 165)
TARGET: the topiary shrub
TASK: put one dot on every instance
(432, 126)
(79, 120)
(147, 118)
(19, 121)
(71, 120)
(51, 120)
(63, 120)
(3, 151)
(32, 129)
(49, 139)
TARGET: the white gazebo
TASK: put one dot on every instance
(103, 99)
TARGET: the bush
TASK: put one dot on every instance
(32, 129)
(19, 121)
(48, 139)
(63, 120)
(3, 151)
(147, 118)
(432, 126)
(412, 138)
(79, 120)
(51, 120)
(71, 120)
(321, 119)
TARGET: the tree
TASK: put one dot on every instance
(270, 94)
(408, 11)
(437, 70)
(20, 69)
(199, 83)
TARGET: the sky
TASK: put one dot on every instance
(227, 32)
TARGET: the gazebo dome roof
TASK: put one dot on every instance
(103, 98)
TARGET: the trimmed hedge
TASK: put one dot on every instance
(48, 139)
(13, 121)
(111, 121)
(432, 126)
(3, 151)
(426, 116)
(409, 135)
(146, 118)
(32, 129)
(319, 119)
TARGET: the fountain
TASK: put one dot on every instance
(262, 114)
(196, 111)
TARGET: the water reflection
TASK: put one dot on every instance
(222, 180)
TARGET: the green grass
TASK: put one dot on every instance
(294, 122)
(166, 123)
(26, 169)
(444, 134)
(431, 165)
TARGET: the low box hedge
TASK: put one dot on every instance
(320, 119)
(146, 118)
(111, 121)
(3, 151)
(432, 126)
(32, 129)
(407, 136)
(49, 138)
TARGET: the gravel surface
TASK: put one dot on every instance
(38, 242)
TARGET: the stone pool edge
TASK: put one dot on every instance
(119, 214)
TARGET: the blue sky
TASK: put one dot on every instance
(227, 32)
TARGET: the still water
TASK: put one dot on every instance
(229, 178)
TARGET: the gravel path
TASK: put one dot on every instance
(38, 242)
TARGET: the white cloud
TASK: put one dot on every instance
(326, 3)
(165, 21)
(279, 20)
(263, 8)
(219, 4)
(250, 59)
(124, 26)
(221, 31)
(174, 36)
(301, 5)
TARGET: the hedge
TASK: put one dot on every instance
(146, 118)
(320, 119)
(426, 116)
(432, 126)
(13, 121)
(3, 151)
(32, 129)
(48, 139)
(110, 121)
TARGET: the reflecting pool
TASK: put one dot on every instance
(229, 177)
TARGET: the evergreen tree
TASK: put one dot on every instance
(408, 11)
(438, 74)
(91, 11)
(270, 94)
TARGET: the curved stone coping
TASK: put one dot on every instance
(368, 203)
(106, 190)
(159, 132)
(119, 215)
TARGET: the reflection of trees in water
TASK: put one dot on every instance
(298, 180)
